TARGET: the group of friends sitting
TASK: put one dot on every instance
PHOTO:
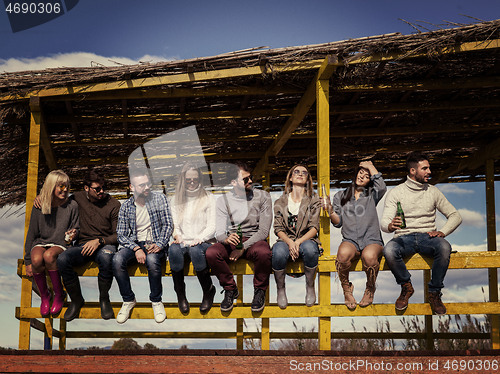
(66, 232)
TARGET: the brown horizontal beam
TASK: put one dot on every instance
(172, 93)
(221, 114)
(413, 106)
(423, 85)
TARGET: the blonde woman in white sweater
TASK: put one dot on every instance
(419, 201)
(193, 211)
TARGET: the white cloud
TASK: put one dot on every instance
(73, 59)
(453, 188)
(472, 218)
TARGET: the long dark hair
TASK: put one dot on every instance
(346, 196)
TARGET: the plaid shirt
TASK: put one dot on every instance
(161, 221)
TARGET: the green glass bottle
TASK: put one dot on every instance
(400, 213)
(240, 236)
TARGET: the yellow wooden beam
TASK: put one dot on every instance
(458, 260)
(144, 311)
(480, 45)
(165, 80)
(31, 192)
(323, 178)
(273, 335)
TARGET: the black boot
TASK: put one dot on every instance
(208, 290)
(104, 286)
(180, 290)
(77, 301)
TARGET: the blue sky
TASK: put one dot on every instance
(150, 30)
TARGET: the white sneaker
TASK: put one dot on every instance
(159, 311)
(124, 312)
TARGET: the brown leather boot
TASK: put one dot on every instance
(406, 292)
(371, 277)
(347, 287)
(437, 305)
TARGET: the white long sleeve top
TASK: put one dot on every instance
(197, 225)
(419, 202)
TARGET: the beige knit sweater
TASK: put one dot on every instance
(419, 202)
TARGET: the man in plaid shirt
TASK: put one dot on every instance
(144, 228)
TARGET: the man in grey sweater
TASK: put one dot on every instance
(419, 202)
(251, 211)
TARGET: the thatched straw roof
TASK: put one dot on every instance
(434, 91)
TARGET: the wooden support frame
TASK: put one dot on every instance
(33, 160)
(323, 178)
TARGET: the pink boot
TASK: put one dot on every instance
(59, 296)
(41, 282)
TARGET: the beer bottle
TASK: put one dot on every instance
(240, 236)
(400, 213)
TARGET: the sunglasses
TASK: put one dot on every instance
(62, 187)
(98, 189)
(305, 173)
(247, 179)
(192, 180)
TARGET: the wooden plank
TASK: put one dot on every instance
(237, 362)
(143, 310)
(458, 260)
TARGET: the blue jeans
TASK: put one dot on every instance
(406, 245)
(72, 257)
(177, 253)
(125, 257)
(308, 251)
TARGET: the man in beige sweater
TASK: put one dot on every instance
(419, 202)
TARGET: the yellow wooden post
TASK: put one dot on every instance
(239, 321)
(492, 246)
(323, 157)
(62, 332)
(31, 191)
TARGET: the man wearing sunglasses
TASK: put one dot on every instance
(251, 211)
(144, 228)
(97, 242)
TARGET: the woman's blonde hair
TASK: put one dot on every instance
(180, 197)
(53, 179)
(289, 184)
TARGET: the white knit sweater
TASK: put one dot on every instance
(419, 202)
(196, 225)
